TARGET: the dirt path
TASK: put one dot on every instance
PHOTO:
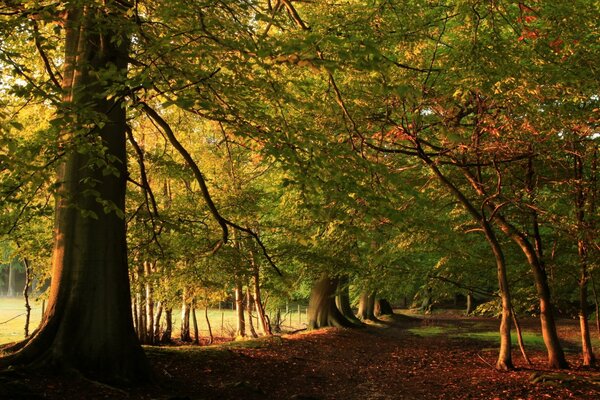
(374, 363)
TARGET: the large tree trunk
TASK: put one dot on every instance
(88, 325)
(366, 306)
(322, 311)
(342, 301)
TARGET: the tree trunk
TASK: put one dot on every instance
(185, 320)
(239, 309)
(322, 311)
(26, 288)
(156, 324)
(470, 304)
(556, 356)
(210, 334)
(260, 310)
(504, 361)
(88, 324)
(342, 301)
(383, 307)
(587, 352)
(12, 280)
(195, 322)
(249, 311)
(149, 304)
(166, 336)
(366, 307)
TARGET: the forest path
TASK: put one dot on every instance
(404, 358)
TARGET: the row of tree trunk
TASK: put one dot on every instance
(329, 305)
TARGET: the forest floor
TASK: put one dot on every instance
(437, 357)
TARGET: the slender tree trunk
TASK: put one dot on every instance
(195, 322)
(185, 319)
(149, 303)
(504, 361)
(556, 356)
(88, 325)
(469, 310)
(596, 303)
(12, 281)
(210, 334)
(239, 309)
(166, 336)
(249, 311)
(322, 311)
(260, 310)
(134, 311)
(520, 338)
(156, 324)
(587, 352)
(342, 301)
(26, 295)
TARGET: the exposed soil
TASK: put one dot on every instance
(373, 363)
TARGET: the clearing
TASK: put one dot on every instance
(438, 357)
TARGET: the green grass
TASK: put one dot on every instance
(430, 330)
(530, 339)
(12, 318)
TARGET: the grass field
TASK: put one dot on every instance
(223, 322)
(12, 318)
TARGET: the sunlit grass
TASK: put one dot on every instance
(222, 321)
(12, 318)
(530, 339)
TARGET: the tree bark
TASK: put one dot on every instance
(342, 301)
(366, 306)
(322, 311)
(88, 324)
(239, 309)
(166, 336)
(470, 307)
(185, 319)
(556, 356)
(260, 310)
(195, 322)
(249, 311)
(12, 280)
(210, 334)
(504, 361)
(587, 352)
(149, 304)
